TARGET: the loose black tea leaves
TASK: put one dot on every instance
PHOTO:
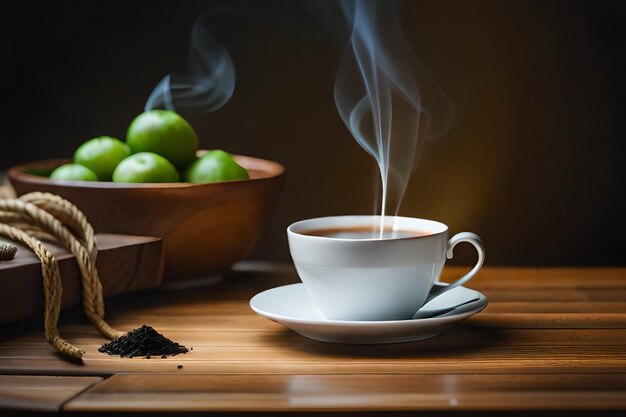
(143, 342)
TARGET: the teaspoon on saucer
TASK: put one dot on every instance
(439, 312)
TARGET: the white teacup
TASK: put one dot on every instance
(374, 279)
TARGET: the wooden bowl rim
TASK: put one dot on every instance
(264, 169)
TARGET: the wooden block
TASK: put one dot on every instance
(125, 263)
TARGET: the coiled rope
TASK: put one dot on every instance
(42, 216)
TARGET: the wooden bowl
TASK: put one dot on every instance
(206, 227)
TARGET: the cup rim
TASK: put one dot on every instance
(295, 229)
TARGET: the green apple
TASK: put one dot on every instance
(215, 166)
(73, 172)
(145, 167)
(101, 155)
(165, 133)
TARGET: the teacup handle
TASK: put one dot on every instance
(456, 239)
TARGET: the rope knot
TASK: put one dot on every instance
(7, 251)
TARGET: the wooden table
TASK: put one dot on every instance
(550, 340)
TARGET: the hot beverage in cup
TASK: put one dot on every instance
(363, 232)
(352, 271)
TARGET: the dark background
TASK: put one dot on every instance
(534, 161)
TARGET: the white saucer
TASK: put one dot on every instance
(291, 306)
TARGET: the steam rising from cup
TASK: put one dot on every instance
(210, 81)
(385, 98)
